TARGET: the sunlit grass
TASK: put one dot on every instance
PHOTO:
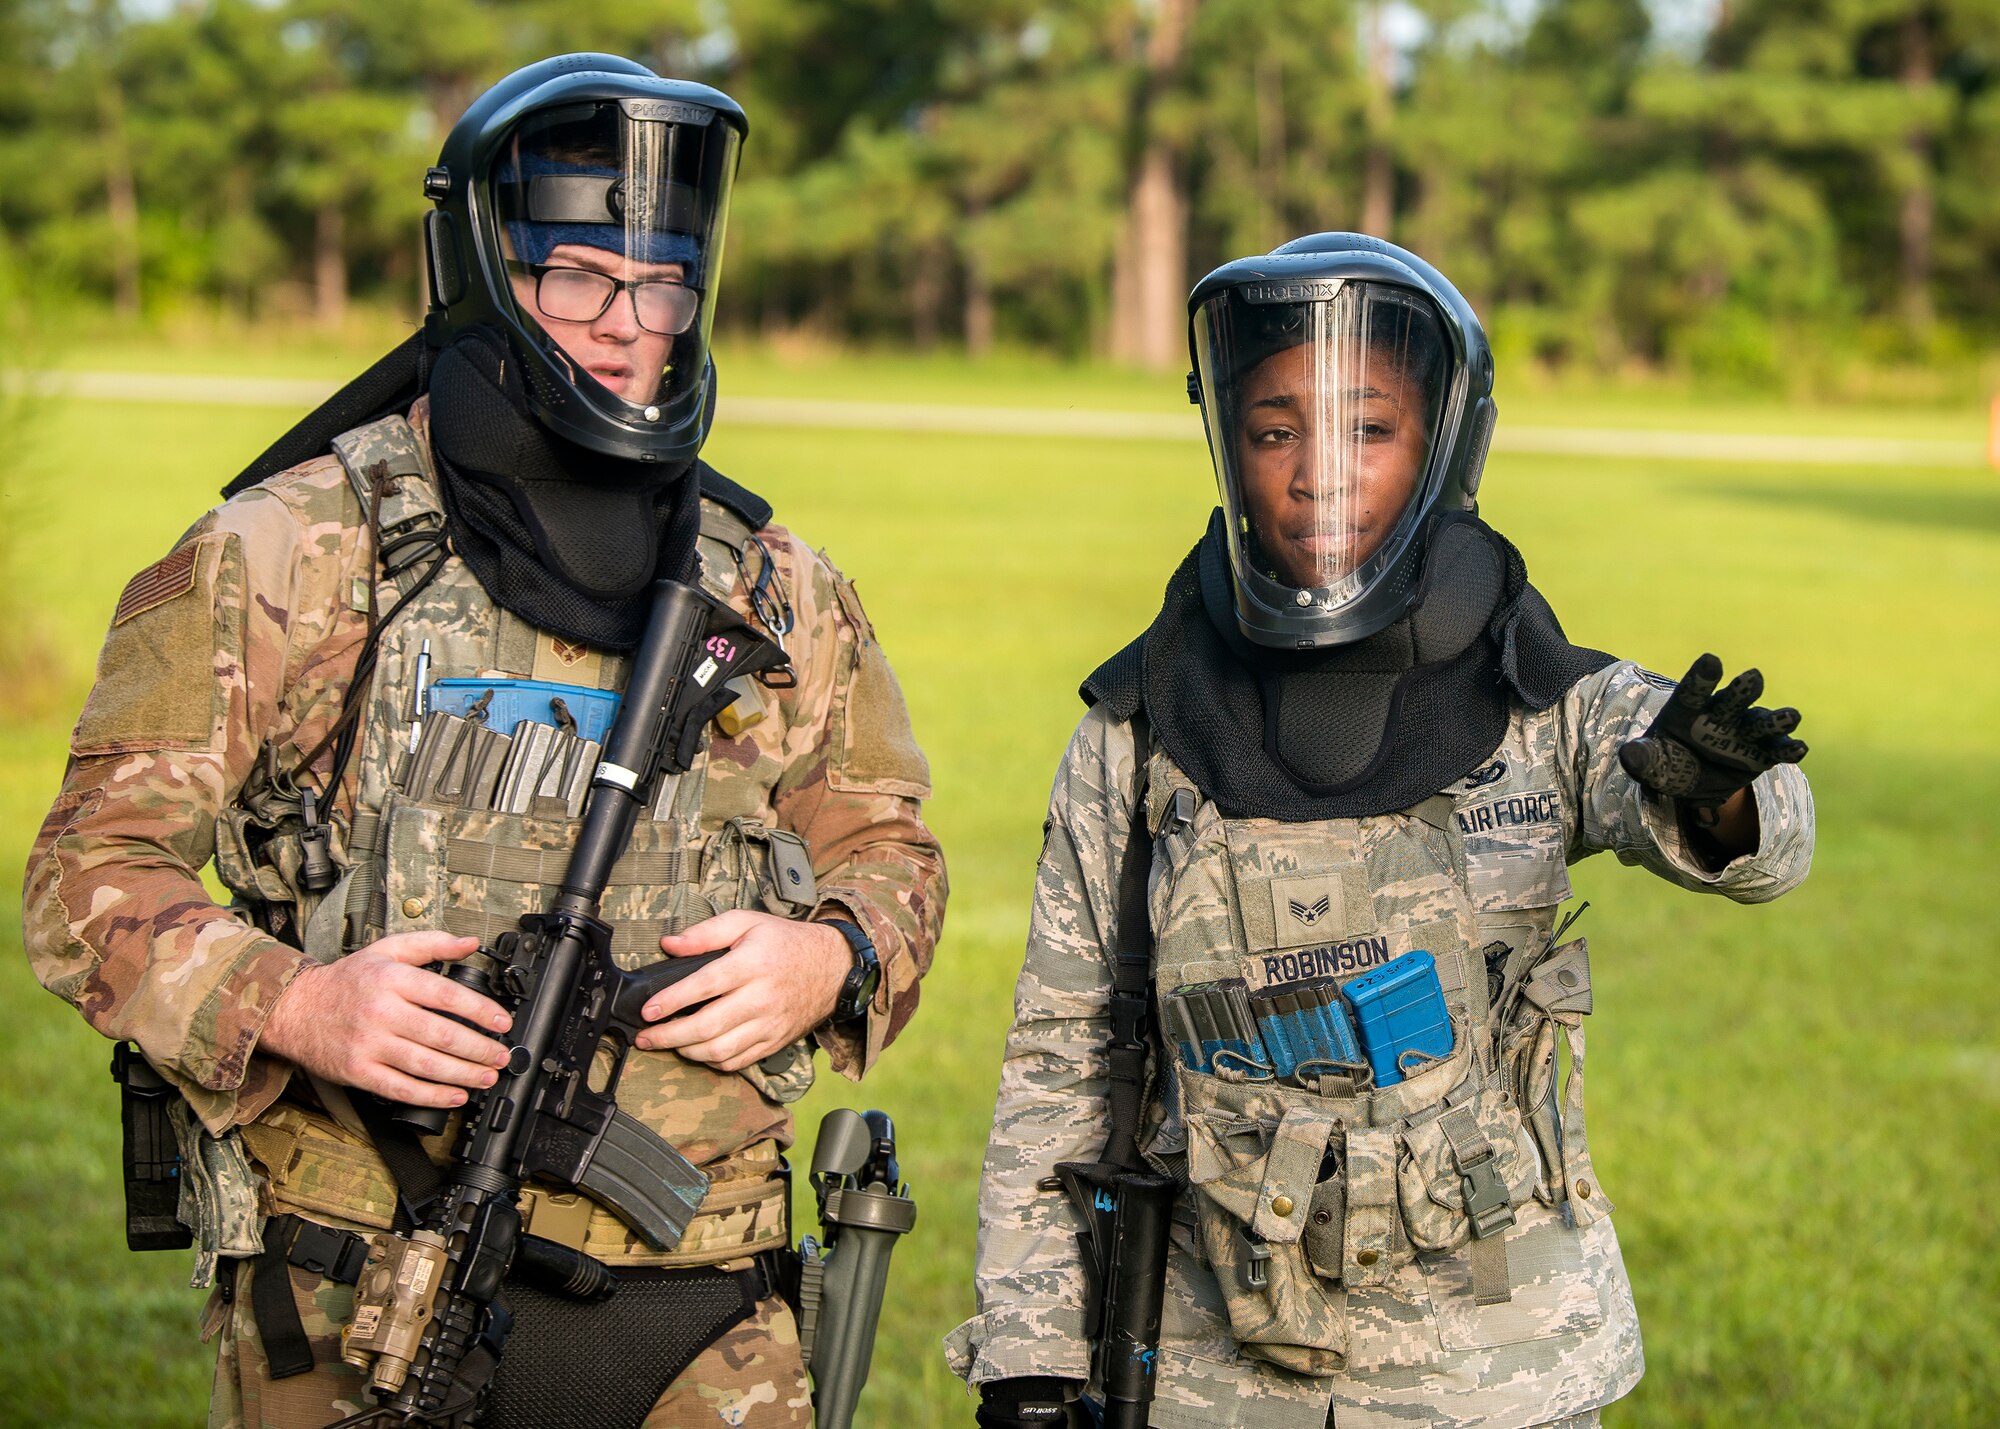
(1794, 1106)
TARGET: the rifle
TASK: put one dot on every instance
(426, 1323)
(1125, 1208)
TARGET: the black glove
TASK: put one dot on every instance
(1703, 746)
(1026, 1403)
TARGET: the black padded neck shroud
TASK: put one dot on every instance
(499, 480)
(570, 540)
(1370, 728)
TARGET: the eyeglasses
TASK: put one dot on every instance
(579, 295)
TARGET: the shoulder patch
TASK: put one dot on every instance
(166, 579)
(876, 751)
(162, 675)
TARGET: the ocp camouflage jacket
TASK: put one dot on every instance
(1323, 1268)
(231, 658)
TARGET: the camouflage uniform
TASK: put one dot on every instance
(1371, 1306)
(230, 659)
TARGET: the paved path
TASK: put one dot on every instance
(1094, 424)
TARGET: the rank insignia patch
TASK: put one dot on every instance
(1303, 910)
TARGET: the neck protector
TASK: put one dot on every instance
(1356, 730)
(567, 539)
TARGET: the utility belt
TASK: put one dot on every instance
(572, 1355)
(314, 1166)
(567, 1359)
(671, 1306)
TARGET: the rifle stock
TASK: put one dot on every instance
(1126, 1216)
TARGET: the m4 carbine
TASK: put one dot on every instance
(426, 1325)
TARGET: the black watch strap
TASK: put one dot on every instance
(858, 991)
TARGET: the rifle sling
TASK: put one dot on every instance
(416, 1176)
(1131, 980)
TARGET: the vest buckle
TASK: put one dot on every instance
(1486, 1202)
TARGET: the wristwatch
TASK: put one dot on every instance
(858, 991)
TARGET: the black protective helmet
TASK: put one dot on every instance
(1346, 388)
(588, 192)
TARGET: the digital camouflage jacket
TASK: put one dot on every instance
(1324, 1267)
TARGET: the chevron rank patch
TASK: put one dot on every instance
(1306, 910)
(166, 579)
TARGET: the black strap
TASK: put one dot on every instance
(754, 511)
(395, 381)
(287, 1351)
(416, 1176)
(291, 1240)
(1131, 979)
(324, 1250)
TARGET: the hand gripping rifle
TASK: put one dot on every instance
(1126, 1210)
(426, 1322)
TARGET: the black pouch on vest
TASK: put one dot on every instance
(605, 1363)
(151, 1154)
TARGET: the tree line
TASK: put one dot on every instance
(1611, 185)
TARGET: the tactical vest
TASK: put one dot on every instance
(412, 863)
(1356, 1232)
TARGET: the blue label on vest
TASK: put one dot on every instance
(507, 703)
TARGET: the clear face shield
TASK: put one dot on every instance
(1323, 401)
(609, 217)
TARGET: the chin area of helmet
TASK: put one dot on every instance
(1336, 393)
(595, 197)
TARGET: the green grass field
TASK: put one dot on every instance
(1796, 1106)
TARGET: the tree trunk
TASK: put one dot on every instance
(927, 295)
(121, 200)
(1149, 264)
(1919, 196)
(1378, 164)
(1153, 323)
(978, 312)
(1378, 191)
(330, 265)
(1270, 92)
(449, 96)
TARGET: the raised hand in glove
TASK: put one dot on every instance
(1705, 747)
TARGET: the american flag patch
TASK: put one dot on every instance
(158, 583)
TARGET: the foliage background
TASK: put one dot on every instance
(1773, 193)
